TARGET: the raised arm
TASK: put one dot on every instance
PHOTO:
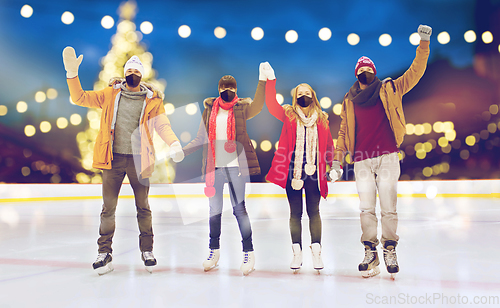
(93, 99)
(411, 77)
(258, 100)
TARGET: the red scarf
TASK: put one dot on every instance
(229, 146)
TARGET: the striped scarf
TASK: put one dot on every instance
(311, 145)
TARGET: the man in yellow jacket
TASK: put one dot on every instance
(131, 111)
(372, 129)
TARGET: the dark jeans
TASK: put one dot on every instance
(112, 179)
(237, 193)
(313, 197)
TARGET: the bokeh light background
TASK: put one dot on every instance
(452, 114)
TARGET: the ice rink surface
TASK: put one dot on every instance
(448, 251)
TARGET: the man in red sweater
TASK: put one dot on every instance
(372, 129)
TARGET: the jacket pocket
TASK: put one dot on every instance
(102, 153)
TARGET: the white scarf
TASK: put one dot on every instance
(311, 144)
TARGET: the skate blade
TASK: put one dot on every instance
(371, 273)
(248, 273)
(206, 269)
(295, 270)
(149, 269)
(104, 269)
(393, 276)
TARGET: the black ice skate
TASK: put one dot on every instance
(369, 266)
(390, 258)
(149, 260)
(103, 263)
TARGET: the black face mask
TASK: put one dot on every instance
(133, 80)
(227, 95)
(366, 77)
(304, 101)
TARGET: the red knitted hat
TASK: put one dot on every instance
(364, 61)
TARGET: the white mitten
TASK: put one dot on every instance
(266, 72)
(336, 171)
(424, 32)
(71, 63)
(176, 152)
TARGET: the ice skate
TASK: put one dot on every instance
(297, 258)
(390, 258)
(248, 263)
(369, 266)
(316, 257)
(212, 260)
(149, 260)
(103, 264)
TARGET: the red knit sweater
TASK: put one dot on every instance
(374, 136)
(279, 168)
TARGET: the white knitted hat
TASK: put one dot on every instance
(134, 62)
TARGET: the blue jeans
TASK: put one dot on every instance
(237, 193)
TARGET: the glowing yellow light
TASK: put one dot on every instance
(492, 128)
(464, 154)
(443, 38)
(401, 155)
(280, 98)
(498, 48)
(419, 129)
(3, 110)
(436, 169)
(470, 140)
(421, 154)
(442, 141)
(493, 109)
(337, 109)
(427, 128)
(470, 36)
(29, 130)
(94, 124)
(45, 127)
(146, 27)
(67, 18)
(51, 93)
(25, 171)
(92, 115)
(445, 167)
(185, 137)
(276, 145)
(487, 37)
(75, 119)
(325, 34)
(257, 33)
(353, 39)
(427, 147)
(385, 39)
(438, 127)
(40, 97)
(448, 126)
(107, 22)
(427, 172)
(254, 143)
(62, 123)
(191, 108)
(410, 129)
(450, 135)
(291, 36)
(419, 146)
(184, 31)
(82, 178)
(169, 108)
(26, 11)
(325, 102)
(266, 145)
(415, 39)
(220, 32)
(21, 107)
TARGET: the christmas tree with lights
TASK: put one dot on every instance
(125, 44)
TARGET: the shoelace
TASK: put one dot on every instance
(211, 255)
(148, 255)
(101, 257)
(245, 260)
(390, 256)
(368, 256)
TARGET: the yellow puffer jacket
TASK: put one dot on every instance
(153, 118)
(391, 95)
